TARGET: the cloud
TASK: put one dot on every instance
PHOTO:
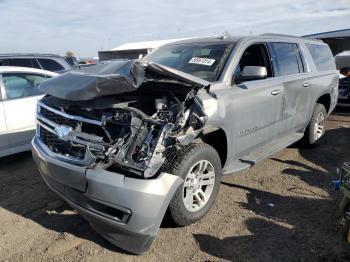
(86, 26)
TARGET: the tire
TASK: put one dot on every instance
(316, 128)
(187, 163)
(347, 225)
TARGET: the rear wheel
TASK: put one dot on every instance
(199, 166)
(317, 126)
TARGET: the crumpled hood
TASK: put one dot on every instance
(114, 77)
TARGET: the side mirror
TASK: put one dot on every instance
(252, 73)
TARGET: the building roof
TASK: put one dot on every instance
(330, 34)
(146, 44)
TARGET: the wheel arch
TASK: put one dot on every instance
(325, 100)
(217, 138)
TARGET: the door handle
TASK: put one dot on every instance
(306, 84)
(276, 92)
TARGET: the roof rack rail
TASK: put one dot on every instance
(290, 36)
(28, 54)
(281, 35)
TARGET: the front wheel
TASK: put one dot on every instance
(199, 166)
(317, 126)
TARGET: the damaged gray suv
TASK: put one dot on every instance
(125, 141)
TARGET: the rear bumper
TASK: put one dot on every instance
(126, 211)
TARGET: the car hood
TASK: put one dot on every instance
(115, 77)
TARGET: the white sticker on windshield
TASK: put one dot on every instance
(202, 61)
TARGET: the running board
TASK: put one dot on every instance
(262, 153)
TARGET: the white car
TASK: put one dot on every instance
(18, 98)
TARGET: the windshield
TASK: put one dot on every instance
(203, 60)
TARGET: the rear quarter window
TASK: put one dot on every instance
(50, 65)
(322, 57)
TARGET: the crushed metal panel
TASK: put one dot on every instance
(101, 80)
(112, 78)
(174, 74)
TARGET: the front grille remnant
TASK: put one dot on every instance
(60, 120)
(62, 133)
(59, 146)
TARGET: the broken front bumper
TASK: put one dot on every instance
(126, 211)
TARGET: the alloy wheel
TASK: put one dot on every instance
(198, 185)
(319, 126)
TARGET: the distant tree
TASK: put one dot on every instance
(69, 53)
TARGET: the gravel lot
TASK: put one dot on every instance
(280, 210)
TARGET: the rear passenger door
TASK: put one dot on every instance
(20, 99)
(290, 69)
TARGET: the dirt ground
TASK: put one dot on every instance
(282, 209)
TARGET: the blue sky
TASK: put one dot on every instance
(86, 26)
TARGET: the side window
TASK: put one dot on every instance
(322, 57)
(287, 59)
(255, 55)
(50, 65)
(23, 62)
(19, 85)
(4, 62)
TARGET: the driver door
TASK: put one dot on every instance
(21, 95)
(257, 105)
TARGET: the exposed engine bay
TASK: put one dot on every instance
(128, 132)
